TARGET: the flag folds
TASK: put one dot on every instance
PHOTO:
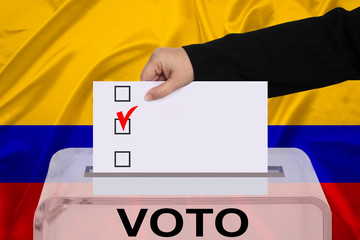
(51, 52)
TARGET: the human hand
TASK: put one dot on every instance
(167, 64)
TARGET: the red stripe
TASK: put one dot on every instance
(18, 202)
(344, 201)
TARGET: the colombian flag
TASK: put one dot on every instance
(52, 50)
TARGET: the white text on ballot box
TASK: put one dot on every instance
(204, 127)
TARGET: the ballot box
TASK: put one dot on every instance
(294, 206)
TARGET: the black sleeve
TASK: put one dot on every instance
(292, 57)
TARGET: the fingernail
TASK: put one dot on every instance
(148, 97)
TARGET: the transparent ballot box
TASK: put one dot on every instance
(293, 208)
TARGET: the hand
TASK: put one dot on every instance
(167, 64)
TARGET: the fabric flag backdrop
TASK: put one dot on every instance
(52, 50)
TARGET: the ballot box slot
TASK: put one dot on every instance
(273, 171)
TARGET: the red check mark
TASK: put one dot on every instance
(123, 120)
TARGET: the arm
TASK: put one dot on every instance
(292, 57)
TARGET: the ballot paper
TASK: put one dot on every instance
(204, 127)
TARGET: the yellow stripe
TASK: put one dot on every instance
(333, 105)
(47, 80)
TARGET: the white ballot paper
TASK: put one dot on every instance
(204, 127)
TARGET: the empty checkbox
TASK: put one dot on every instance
(122, 93)
(119, 130)
(122, 158)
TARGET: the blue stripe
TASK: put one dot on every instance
(25, 151)
(334, 150)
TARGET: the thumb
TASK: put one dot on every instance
(162, 90)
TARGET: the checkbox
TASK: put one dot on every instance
(118, 129)
(122, 158)
(122, 93)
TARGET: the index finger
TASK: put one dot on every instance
(148, 73)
